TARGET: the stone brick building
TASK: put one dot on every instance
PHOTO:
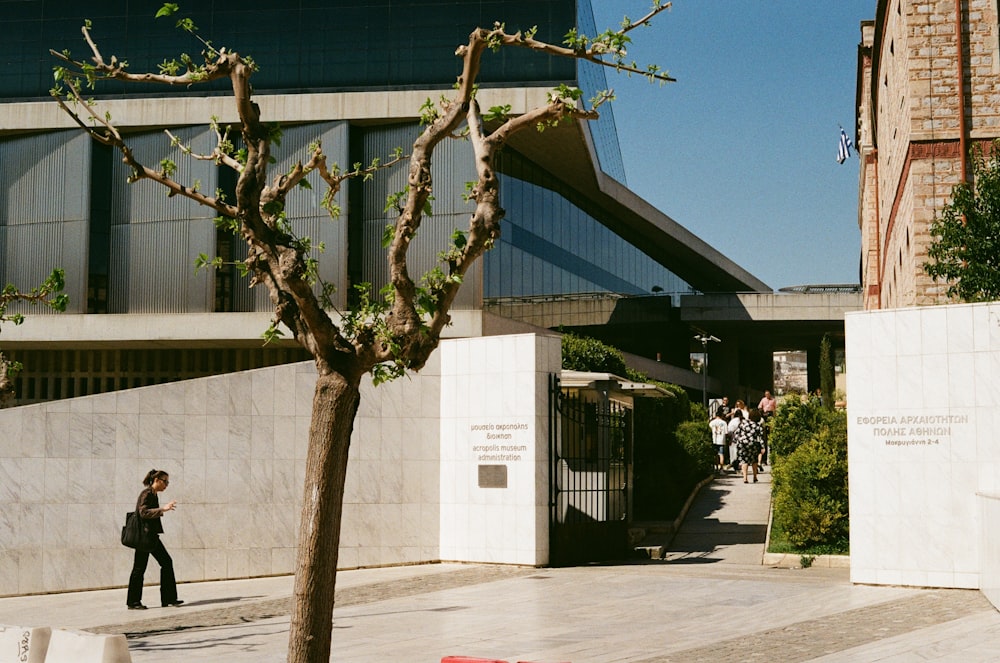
(926, 94)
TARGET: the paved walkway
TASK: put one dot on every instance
(709, 599)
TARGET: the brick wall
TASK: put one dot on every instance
(917, 129)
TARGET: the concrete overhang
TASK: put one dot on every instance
(173, 330)
(770, 322)
(769, 307)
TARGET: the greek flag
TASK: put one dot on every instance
(844, 147)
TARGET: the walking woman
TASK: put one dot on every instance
(148, 508)
(749, 441)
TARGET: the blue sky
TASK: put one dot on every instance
(741, 150)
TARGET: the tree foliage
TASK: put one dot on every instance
(965, 250)
(385, 333)
(50, 294)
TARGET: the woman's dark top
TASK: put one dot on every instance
(148, 508)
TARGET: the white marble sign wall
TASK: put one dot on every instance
(923, 388)
(494, 448)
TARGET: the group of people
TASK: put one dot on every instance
(740, 435)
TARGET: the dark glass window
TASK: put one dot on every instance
(300, 45)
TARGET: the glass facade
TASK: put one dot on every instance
(593, 79)
(300, 45)
(550, 244)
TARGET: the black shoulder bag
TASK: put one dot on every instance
(136, 534)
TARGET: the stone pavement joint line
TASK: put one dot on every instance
(240, 614)
(804, 641)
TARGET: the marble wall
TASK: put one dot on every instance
(71, 469)
(923, 393)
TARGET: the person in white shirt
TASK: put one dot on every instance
(719, 429)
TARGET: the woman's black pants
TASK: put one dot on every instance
(168, 584)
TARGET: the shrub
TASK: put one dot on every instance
(796, 421)
(810, 489)
(695, 437)
(580, 353)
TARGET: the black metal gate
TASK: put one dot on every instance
(590, 476)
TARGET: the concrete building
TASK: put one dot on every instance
(139, 315)
(926, 95)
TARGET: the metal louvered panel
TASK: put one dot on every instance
(452, 166)
(44, 208)
(152, 268)
(305, 212)
(155, 239)
(380, 142)
(146, 201)
(30, 252)
(43, 178)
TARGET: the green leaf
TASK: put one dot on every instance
(167, 9)
(498, 113)
(273, 207)
(272, 333)
(388, 233)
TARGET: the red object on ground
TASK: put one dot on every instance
(470, 659)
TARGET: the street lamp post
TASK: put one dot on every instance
(705, 339)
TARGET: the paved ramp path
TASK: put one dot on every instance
(727, 523)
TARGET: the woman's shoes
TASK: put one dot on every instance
(136, 606)
(745, 481)
(173, 604)
(755, 479)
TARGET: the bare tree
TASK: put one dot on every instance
(382, 336)
(46, 294)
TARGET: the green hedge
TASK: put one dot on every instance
(809, 480)
(580, 353)
(695, 437)
(796, 421)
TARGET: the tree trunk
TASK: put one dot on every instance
(335, 405)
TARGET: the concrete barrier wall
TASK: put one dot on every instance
(71, 469)
(923, 391)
